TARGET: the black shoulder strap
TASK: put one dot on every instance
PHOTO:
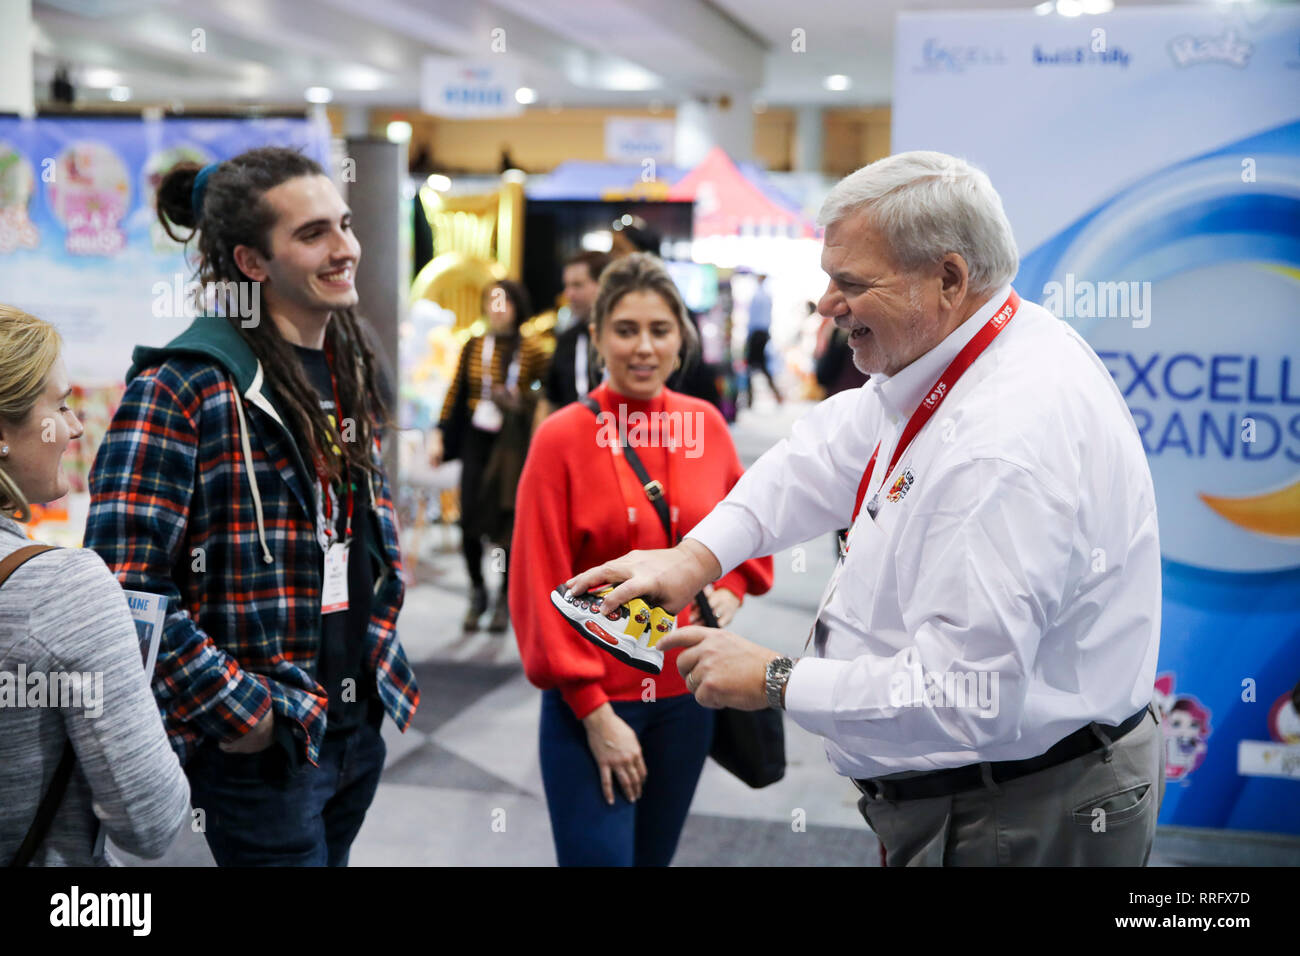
(655, 492)
(49, 805)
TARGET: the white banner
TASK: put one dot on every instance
(469, 89)
(632, 140)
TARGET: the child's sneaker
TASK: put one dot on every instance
(630, 633)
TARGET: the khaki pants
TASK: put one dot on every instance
(1095, 810)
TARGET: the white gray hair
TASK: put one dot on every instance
(928, 204)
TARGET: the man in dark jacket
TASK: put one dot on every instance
(572, 374)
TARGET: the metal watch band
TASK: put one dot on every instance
(778, 673)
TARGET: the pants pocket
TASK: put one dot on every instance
(1114, 809)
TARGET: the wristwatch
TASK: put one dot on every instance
(778, 674)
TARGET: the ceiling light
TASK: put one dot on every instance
(525, 95)
(1043, 9)
(318, 94)
(119, 94)
(837, 82)
(1093, 7)
(439, 183)
(98, 78)
(1069, 8)
(398, 131)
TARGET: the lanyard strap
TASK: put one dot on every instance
(930, 404)
(322, 476)
(485, 367)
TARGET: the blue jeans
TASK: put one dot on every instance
(307, 819)
(675, 735)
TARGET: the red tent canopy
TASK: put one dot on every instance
(728, 204)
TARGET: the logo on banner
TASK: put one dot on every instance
(467, 88)
(1186, 723)
(1226, 48)
(937, 393)
(939, 57)
(900, 487)
(1081, 56)
(1284, 720)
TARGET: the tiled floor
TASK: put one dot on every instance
(462, 786)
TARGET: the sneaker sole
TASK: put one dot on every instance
(610, 643)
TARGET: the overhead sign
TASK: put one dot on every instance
(632, 140)
(469, 89)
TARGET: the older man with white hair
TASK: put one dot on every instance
(983, 659)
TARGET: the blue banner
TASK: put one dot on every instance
(1149, 161)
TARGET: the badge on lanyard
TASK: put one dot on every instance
(334, 586)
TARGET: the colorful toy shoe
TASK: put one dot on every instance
(630, 633)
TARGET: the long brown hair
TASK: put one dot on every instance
(232, 211)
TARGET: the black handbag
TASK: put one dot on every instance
(748, 744)
(53, 797)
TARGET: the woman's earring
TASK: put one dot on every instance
(4, 450)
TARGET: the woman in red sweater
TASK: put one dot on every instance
(621, 752)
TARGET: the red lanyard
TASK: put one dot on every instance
(938, 393)
(330, 531)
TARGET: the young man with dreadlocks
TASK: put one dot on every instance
(241, 478)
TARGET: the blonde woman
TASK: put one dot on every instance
(73, 691)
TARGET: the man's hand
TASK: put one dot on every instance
(722, 669)
(255, 741)
(669, 577)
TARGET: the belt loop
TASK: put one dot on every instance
(986, 774)
(1106, 744)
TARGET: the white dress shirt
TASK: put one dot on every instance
(1007, 595)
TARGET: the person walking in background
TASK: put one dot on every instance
(486, 422)
(572, 373)
(241, 478)
(100, 758)
(833, 363)
(760, 333)
(620, 753)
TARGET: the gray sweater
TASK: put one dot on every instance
(63, 612)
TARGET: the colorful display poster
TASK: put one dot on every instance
(1149, 161)
(81, 247)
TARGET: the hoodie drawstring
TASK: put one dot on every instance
(252, 480)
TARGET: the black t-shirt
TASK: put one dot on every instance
(343, 634)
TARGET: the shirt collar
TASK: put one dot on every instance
(902, 392)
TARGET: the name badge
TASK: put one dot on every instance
(334, 588)
(487, 416)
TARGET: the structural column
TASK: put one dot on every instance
(16, 58)
(809, 139)
(725, 120)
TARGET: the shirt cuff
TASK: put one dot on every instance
(730, 532)
(809, 694)
(583, 698)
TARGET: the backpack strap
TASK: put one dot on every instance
(49, 804)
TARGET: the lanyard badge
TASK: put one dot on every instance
(334, 579)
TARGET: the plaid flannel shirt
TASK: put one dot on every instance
(172, 514)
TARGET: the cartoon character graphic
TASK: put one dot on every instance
(1284, 717)
(17, 183)
(1186, 723)
(89, 195)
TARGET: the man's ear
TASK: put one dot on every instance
(251, 263)
(954, 281)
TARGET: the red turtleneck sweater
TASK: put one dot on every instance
(580, 504)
